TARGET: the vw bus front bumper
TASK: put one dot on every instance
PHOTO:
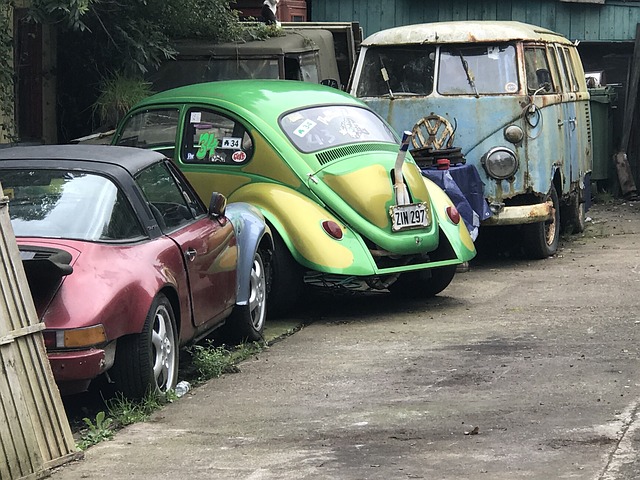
(521, 214)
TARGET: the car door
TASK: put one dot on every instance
(208, 246)
(570, 114)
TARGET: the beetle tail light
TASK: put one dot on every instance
(453, 214)
(332, 229)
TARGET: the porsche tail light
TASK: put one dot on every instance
(75, 338)
(453, 214)
(332, 229)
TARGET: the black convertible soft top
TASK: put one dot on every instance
(131, 159)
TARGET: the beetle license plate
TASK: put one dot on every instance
(409, 216)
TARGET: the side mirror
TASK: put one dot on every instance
(330, 82)
(217, 205)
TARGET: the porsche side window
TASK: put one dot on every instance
(152, 129)
(210, 137)
(166, 200)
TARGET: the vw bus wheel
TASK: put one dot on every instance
(541, 239)
(148, 361)
(423, 283)
(577, 215)
(285, 279)
(246, 322)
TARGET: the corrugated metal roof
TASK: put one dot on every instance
(463, 32)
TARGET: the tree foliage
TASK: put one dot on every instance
(103, 39)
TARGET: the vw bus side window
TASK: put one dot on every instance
(539, 79)
(401, 70)
(569, 65)
(210, 137)
(564, 71)
(478, 70)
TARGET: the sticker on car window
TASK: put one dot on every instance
(511, 87)
(239, 156)
(352, 128)
(294, 117)
(206, 145)
(195, 117)
(231, 142)
(304, 128)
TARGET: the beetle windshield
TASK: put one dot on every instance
(397, 71)
(317, 128)
(477, 70)
(68, 204)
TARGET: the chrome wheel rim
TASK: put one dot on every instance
(164, 349)
(257, 294)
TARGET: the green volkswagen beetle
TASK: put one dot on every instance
(348, 206)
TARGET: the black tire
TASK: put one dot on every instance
(576, 215)
(148, 361)
(540, 240)
(423, 283)
(285, 279)
(246, 322)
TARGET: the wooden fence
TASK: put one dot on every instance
(34, 430)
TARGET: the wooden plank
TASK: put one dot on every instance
(607, 26)
(591, 24)
(23, 457)
(504, 10)
(489, 10)
(632, 94)
(548, 15)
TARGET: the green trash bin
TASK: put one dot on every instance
(602, 132)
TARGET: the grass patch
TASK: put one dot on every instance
(210, 361)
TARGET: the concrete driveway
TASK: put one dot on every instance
(518, 370)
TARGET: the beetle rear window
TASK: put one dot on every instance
(318, 128)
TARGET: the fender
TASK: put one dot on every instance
(250, 228)
(298, 220)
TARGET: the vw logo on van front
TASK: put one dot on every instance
(500, 163)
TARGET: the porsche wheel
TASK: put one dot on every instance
(423, 283)
(541, 239)
(246, 323)
(148, 361)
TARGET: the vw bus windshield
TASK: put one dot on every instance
(477, 70)
(397, 71)
(317, 128)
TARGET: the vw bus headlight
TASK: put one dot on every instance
(500, 163)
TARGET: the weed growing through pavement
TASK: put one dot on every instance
(212, 361)
(125, 411)
(96, 432)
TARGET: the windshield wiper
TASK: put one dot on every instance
(385, 77)
(467, 71)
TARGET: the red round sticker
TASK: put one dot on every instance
(239, 156)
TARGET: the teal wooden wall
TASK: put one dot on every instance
(613, 21)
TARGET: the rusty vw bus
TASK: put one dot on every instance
(511, 96)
